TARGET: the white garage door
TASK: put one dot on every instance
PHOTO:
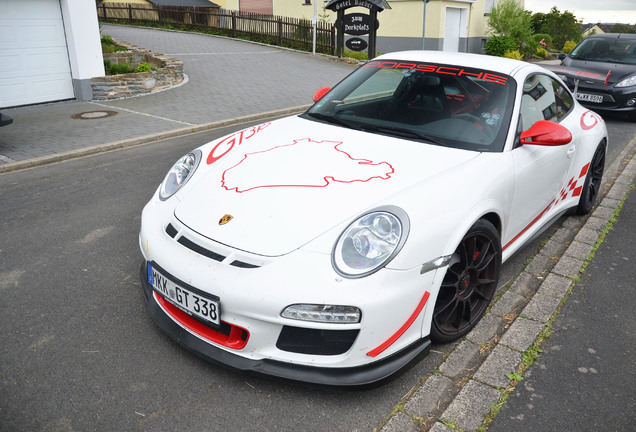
(34, 64)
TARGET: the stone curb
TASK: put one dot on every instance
(461, 392)
(145, 139)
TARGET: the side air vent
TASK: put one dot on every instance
(244, 265)
(171, 231)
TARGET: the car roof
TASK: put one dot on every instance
(479, 61)
(613, 36)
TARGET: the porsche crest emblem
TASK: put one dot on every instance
(225, 219)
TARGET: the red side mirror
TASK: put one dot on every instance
(546, 133)
(320, 93)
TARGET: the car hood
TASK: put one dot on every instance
(593, 71)
(287, 182)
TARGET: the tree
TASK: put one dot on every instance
(508, 21)
(561, 26)
(623, 28)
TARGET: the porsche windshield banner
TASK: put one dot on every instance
(440, 69)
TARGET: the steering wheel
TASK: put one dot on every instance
(479, 123)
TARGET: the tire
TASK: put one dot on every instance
(592, 184)
(469, 284)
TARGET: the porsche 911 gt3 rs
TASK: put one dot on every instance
(333, 246)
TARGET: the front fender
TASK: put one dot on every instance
(442, 210)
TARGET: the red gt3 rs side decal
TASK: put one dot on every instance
(377, 351)
(589, 120)
(572, 186)
(313, 164)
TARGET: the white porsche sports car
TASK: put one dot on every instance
(333, 246)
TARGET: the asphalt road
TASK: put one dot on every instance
(78, 351)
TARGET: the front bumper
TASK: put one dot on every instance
(614, 99)
(371, 374)
(396, 308)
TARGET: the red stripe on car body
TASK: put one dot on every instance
(377, 351)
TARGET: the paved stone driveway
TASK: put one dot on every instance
(227, 79)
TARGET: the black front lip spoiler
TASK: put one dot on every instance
(370, 375)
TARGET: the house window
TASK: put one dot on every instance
(489, 5)
(306, 2)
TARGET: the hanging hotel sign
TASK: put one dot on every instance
(356, 44)
(358, 24)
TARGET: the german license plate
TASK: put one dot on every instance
(587, 97)
(193, 303)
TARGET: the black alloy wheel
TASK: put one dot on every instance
(592, 184)
(469, 284)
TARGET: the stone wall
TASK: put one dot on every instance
(168, 73)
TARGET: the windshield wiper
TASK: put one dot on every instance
(335, 120)
(404, 132)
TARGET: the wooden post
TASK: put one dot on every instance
(373, 14)
(130, 13)
(233, 23)
(333, 40)
(340, 42)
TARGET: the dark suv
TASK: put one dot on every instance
(602, 72)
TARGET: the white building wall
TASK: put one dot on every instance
(84, 44)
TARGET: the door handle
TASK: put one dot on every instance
(571, 151)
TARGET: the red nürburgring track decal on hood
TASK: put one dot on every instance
(315, 164)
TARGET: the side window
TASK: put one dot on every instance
(489, 5)
(544, 99)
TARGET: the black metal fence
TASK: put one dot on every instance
(275, 30)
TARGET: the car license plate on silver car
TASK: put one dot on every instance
(202, 306)
(587, 97)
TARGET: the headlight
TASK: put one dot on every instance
(370, 242)
(179, 174)
(627, 82)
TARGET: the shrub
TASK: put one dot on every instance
(498, 45)
(107, 40)
(109, 45)
(116, 69)
(541, 52)
(143, 67)
(546, 38)
(513, 55)
(569, 46)
(529, 48)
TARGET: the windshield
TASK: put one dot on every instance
(433, 103)
(606, 50)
